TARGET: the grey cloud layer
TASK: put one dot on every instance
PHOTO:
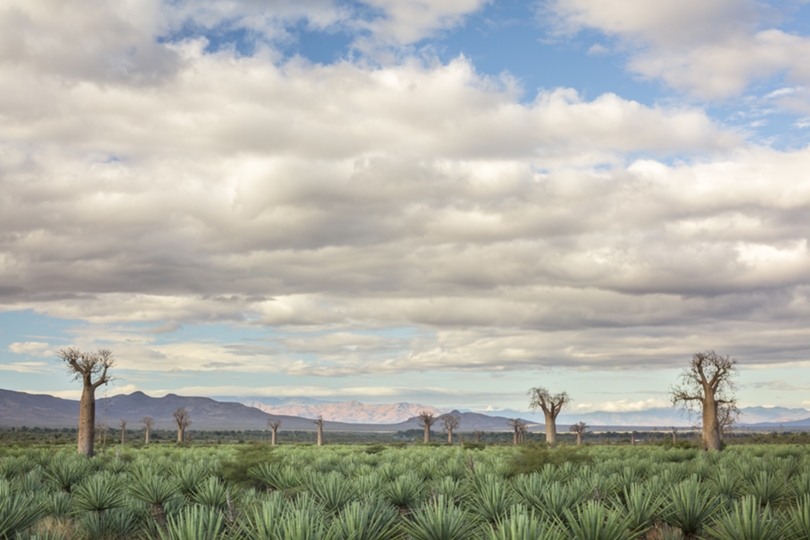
(332, 199)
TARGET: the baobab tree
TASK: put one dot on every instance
(273, 424)
(183, 420)
(450, 422)
(93, 370)
(147, 422)
(123, 432)
(477, 435)
(674, 431)
(706, 384)
(426, 420)
(540, 398)
(319, 422)
(518, 426)
(579, 428)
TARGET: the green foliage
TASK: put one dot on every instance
(19, 511)
(440, 520)
(522, 525)
(236, 470)
(747, 521)
(372, 519)
(592, 521)
(533, 457)
(690, 507)
(193, 523)
(99, 492)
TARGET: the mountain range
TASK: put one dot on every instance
(22, 409)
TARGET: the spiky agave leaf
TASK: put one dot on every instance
(276, 476)
(332, 491)
(441, 520)
(65, 472)
(747, 521)
(193, 523)
(767, 487)
(98, 493)
(798, 520)
(593, 521)
(304, 521)
(689, 507)
(372, 519)
(642, 507)
(491, 499)
(521, 524)
(264, 523)
(405, 491)
(189, 476)
(113, 523)
(19, 511)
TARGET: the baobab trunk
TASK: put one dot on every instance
(273, 438)
(181, 434)
(427, 433)
(320, 433)
(579, 439)
(87, 420)
(551, 429)
(147, 435)
(711, 429)
(450, 436)
(633, 439)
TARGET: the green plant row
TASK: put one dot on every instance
(417, 493)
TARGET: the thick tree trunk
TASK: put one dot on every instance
(477, 437)
(147, 435)
(711, 429)
(674, 437)
(515, 438)
(551, 430)
(273, 438)
(633, 439)
(449, 436)
(87, 420)
(123, 436)
(579, 439)
(181, 434)
(320, 434)
(427, 434)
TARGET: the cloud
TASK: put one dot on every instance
(712, 49)
(624, 405)
(337, 202)
(31, 348)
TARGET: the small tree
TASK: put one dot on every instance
(633, 438)
(92, 370)
(727, 416)
(183, 420)
(579, 428)
(319, 422)
(426, 420)
(450, 422)
(518, 426)
(477, 435)
(273, 424)
(674, 432)
(540, 398)
(147, 422)
(706, 384)
(123, 432)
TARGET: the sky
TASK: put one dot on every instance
(436, 201)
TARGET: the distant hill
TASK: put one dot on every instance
(349, 411)
(21, 409)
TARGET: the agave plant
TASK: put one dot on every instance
(114, 523)
(689, 507)
(332, 491)
(522, 525)
(593, 521)
(440, 520)
(492, 499)
(211, 493)
(303, 521)
(797, 525)
(372, 519)
(265, 522)
(19, 511)
(405, 491)
(726, 483)
(275, 476)
(156, 491)
(66, 472)
(767, 487)
(194, 523)
(98, 493)
(642, 507)
(747, 521)
(189, 477)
